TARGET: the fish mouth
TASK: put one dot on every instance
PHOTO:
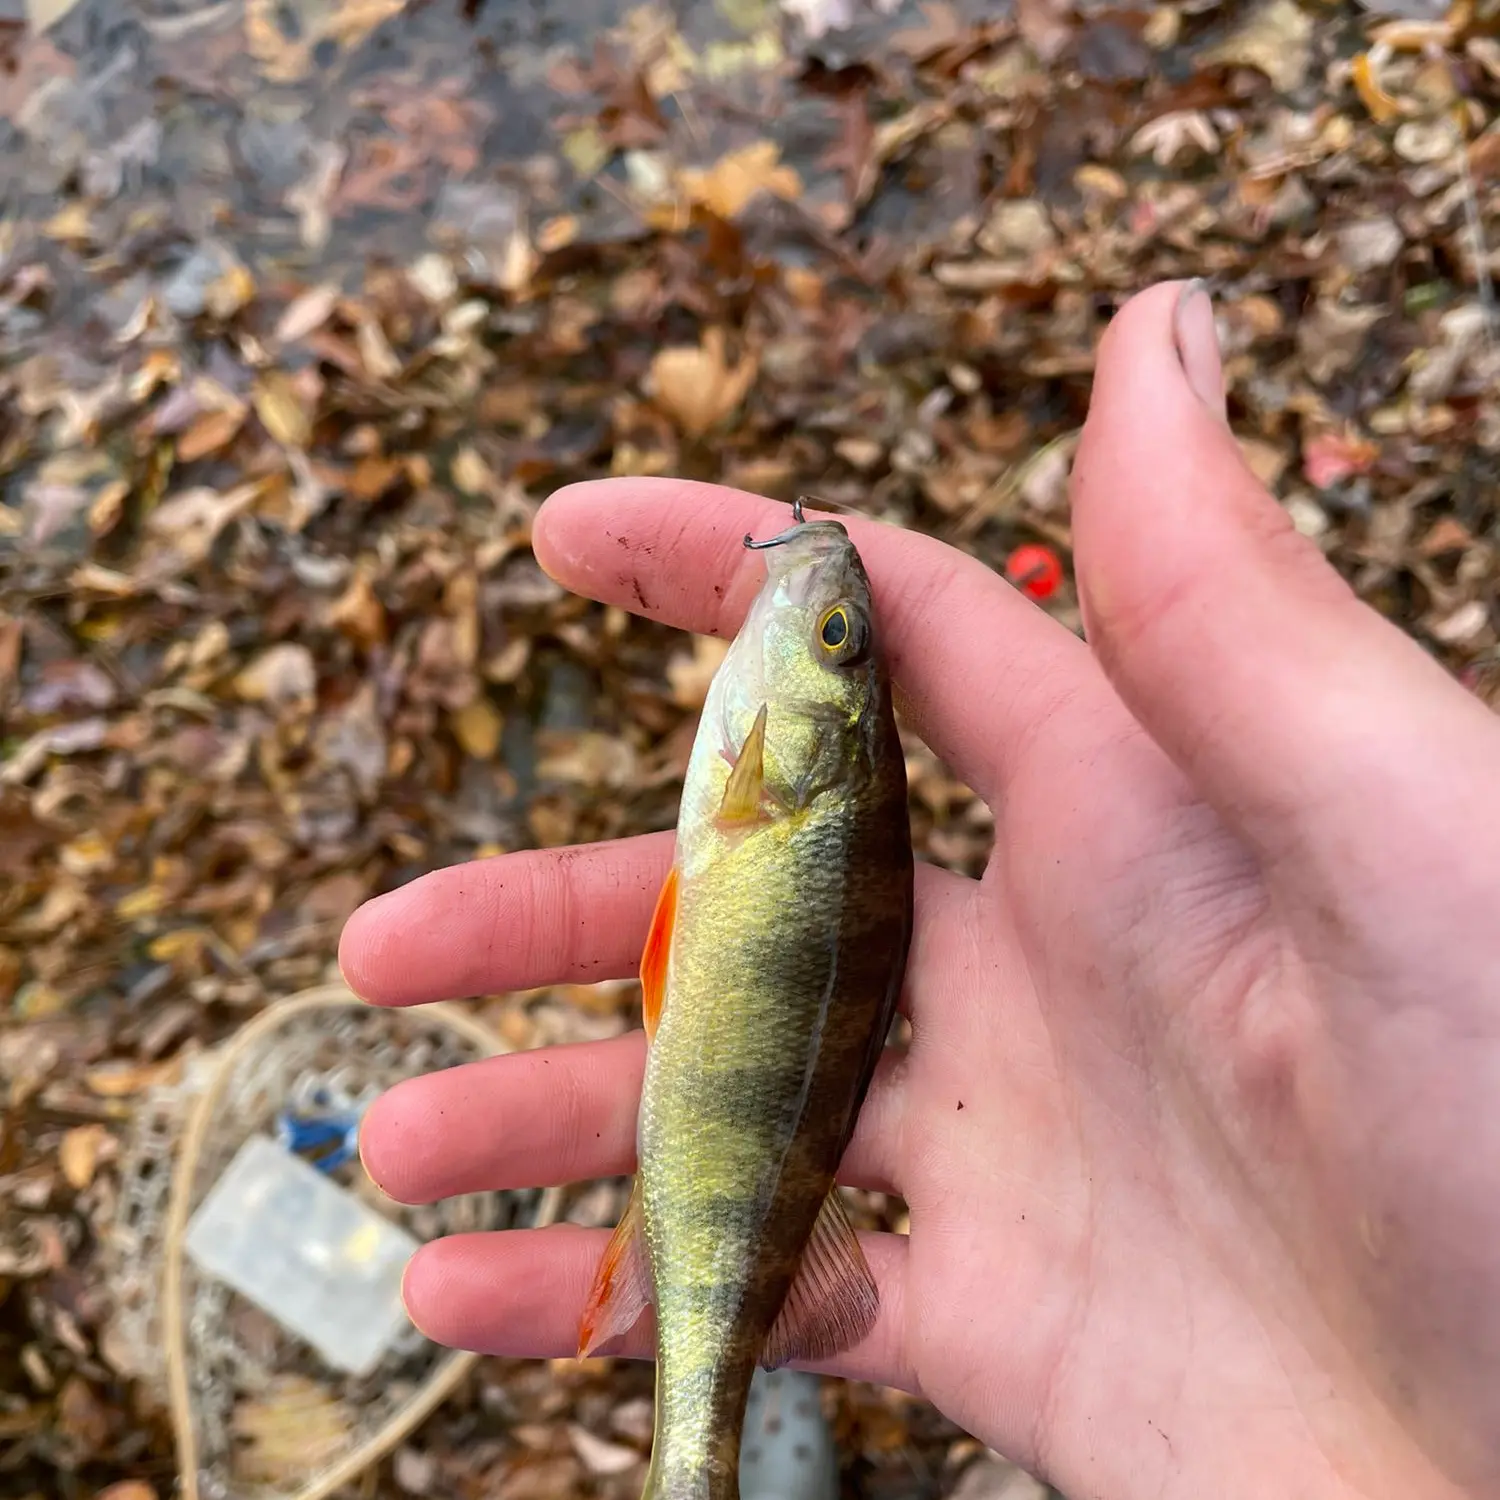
(810, 563)
(800, 556)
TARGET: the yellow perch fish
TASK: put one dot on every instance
(770, 980)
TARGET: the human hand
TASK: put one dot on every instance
(1196, 1128)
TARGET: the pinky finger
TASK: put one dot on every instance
(520, 1293)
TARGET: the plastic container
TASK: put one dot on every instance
(307, 1253)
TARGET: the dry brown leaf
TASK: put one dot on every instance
(80, 1153)
(354, 20)
(230, 292)
(1448, 534)
(285, 673)
(208, 434)
(375, 350)
(83, 1417)
(280, 408)
(735, 180)
(1046, 26)
(292, 1430)
(477, 727)
(587, 759)
(119, 1080)
(697, 388)
(1276, 39)
(359, 612)
(128, 1489)
(1463, 626)
(11, 635)
(307, 313)
(598, 1455)
(373, 475)
(690, 675)
(471, 474)
(1381, 105)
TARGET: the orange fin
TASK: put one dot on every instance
(622, 1284)
(747, 780)
(656, 952)
(833, 1302)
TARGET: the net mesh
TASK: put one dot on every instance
(268, 1414)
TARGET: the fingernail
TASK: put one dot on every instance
(1198, 347)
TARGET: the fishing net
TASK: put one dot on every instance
(259, 1413)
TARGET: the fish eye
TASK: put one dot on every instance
(843, 635)
(834, 630)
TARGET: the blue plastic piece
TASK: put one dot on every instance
(326, 1139)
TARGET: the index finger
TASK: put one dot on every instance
(978, 667)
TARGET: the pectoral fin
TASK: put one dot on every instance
(833, 1302)
(622, 1284)
(742, 793)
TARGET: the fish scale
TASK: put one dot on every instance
(771, 977)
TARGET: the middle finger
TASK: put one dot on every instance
(558, 1115)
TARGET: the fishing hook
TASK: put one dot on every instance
(798, 520)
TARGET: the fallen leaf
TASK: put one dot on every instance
(280, 408)
(819, 17)
(734, 181)
(1171, 135)
(477, 727)
(1046, 26)
(690, 674)
(306, 313)
(1276, 39)
(83, 1417)
(79, 1153)
(1463, 625)
(191, 521)
(286, 673)
(1448, 534)
(600, 1456)
(294, 1428)
(696, 387)
(1382, 107)
(354, 20)
(471, 474)
(208, 434)
(1367, 243)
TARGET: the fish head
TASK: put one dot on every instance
(808, 652)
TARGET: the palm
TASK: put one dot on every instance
(1151, 1152)
(1037, 1143)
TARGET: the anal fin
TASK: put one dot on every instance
(833, 1301)
(622, 1284)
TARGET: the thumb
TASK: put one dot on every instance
(1294, 708)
